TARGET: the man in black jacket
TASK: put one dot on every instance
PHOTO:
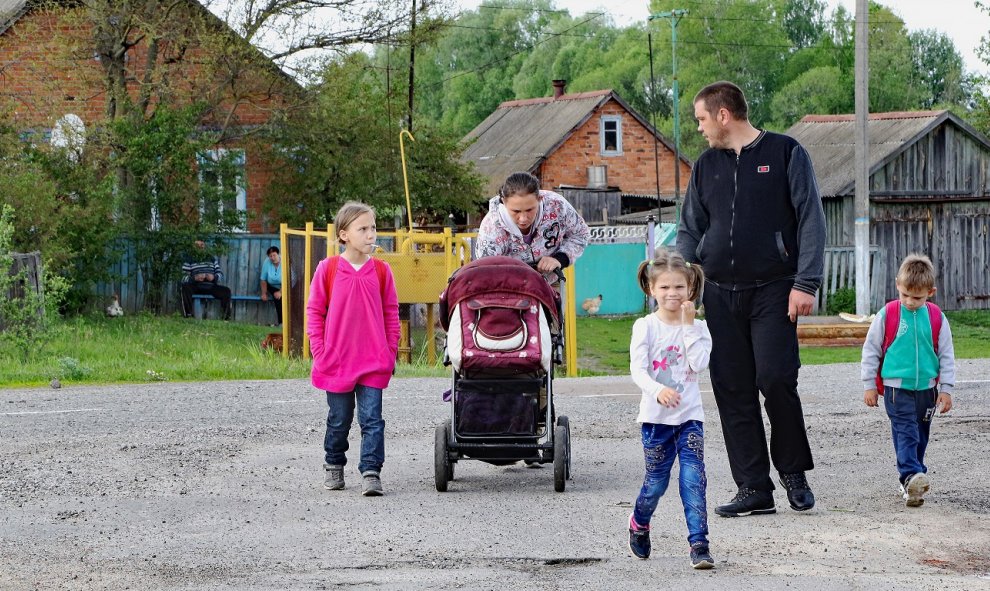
(753, 219)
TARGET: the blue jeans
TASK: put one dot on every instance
(910, 413)
(661, 443)
(339, 417)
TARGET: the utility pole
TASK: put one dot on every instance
(412, 63)
(674, 15)
(862, 155)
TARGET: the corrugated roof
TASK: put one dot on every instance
(10, 11)
(830, 141)
(520, 134)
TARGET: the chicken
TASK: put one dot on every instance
(114, 308)
(591, 305)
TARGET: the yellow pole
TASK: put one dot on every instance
(287, 287)
(307, 273)
(405, 177)
(570, 324)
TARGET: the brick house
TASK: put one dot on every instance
(53, 84)
(578, 144)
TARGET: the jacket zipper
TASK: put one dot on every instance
(732, 223)
(917, 357)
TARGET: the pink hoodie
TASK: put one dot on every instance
(356, 340)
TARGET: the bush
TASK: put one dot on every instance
(841, 300)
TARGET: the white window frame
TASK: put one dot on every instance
(240, 159)
(617, 119)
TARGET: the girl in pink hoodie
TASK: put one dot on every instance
(352, 319)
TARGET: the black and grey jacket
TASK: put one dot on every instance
(756, 217)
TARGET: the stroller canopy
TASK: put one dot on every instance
(497, 278)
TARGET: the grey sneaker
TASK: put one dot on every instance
(371, 484)
(915, 488)
(335, 477)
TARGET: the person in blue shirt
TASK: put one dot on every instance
(271, 280)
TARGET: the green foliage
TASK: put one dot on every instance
(841, 300)
(345, 146)
(27, 315)
(172, 188)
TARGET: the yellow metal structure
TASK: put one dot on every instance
(421, 264)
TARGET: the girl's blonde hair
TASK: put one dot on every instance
(346, 215)
(665, 261)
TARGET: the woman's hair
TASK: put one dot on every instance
(349, 212)
(916, 272)
(271, 249)
(519, 183)
(665, 261)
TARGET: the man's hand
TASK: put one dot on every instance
(264, 295)
(799, 304)
(201, 277)
(547, 264)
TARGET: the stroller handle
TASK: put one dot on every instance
(558, 271)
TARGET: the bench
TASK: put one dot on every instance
(199, 298)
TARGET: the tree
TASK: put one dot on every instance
(345, 147)
(817, 91)
(939, 67)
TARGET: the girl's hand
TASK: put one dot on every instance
(688, 312)
(668, 397)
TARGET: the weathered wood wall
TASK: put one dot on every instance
(590, 203)
(933, 198)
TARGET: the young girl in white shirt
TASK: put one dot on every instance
(668, 349)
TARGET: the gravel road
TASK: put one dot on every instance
(219, 486)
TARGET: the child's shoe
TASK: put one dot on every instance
(915, 488)
(701, 559)
(639, 540)
(371, 484)
(335, 477)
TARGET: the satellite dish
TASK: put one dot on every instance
(69, 134)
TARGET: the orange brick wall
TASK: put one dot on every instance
(47, 71)
(633, 172)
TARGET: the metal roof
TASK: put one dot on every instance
(830, 141)
(519, 135)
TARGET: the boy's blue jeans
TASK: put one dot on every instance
(910, 413)
(339, 417)
(661, 444)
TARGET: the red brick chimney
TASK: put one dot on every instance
(559, 88)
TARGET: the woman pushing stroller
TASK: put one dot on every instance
(532, 225)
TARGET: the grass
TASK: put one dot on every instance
(145, 348)
(603, 343)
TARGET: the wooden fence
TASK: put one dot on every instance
(840, 272)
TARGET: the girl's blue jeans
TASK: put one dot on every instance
(910, 413)
(661, 444)
(369, 410)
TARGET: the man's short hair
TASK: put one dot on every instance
(916, 272)
(724, 95)
(272, 249)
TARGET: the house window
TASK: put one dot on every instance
(611, 135)
(222, 188)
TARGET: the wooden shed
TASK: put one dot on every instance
(929, 193)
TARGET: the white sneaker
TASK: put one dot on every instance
(915, 489)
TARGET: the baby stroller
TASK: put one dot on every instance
(502, 319)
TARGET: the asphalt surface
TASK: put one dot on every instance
(219, 486)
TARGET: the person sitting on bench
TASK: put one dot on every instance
(202, 275)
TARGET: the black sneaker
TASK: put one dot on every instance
(639, 542)
(748, 501)
(799, 494)
(701, 559)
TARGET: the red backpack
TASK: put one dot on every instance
(332, 273)
(892, 314)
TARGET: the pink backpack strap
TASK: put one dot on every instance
(331, 274)
(892, 318)
(935, 317)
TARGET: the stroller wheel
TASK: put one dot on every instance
(560, 445)
(562, 421)
(443, 470)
